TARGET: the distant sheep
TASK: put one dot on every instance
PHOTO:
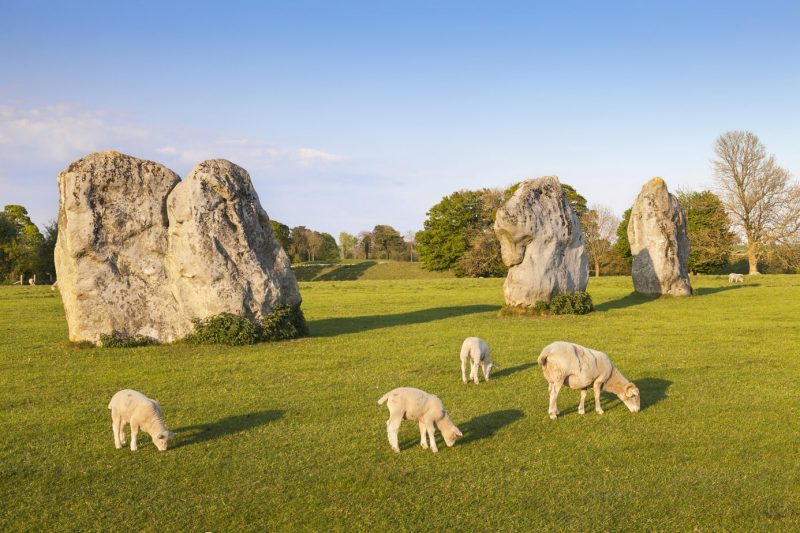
(735, 278)
(581, 368)
(477, 352)
(427, 409)
(134, 408)
(31, 281)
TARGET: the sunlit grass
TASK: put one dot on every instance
(288, 435)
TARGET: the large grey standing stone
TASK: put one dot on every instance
(223, 255)
(659, 245)
(112, 241)
(542, 244)
(140, 252)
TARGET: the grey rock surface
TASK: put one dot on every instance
(140, 252)
(542, 244)
(659, 244)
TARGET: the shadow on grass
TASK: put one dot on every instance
(702, 291)
(307, 272)
(652, 391)
(188, 435)
(350, 272)
(484, 426)
(631, 299)
(503, 372)
(329, 327)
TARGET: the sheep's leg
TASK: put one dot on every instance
(581, 408)
(422, 440)
(555, 388)
(115, 429)
(474, 373)
(392, 427)
(122, 432)
(431, 435)
(463, 370)
(134, 432)
(597, 407)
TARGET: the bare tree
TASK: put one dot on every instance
(763, 204)
(599, 226)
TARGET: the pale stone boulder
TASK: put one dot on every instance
(659, 245)
(542, 244)
(112, 242)
(223, 256)
(141, 253)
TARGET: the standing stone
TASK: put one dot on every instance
(223, 256)
(140, 252)
(659, 245)
(112, 241)
(542, 244)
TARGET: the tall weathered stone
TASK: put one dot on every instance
(659, 245)
(141, 253)
(542, 244)
(223, 256)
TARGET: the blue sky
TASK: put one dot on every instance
(352, 114)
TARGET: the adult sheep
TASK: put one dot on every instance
(581, 368)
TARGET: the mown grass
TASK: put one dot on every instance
(372, 269)
(288, 435)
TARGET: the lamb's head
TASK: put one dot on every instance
(630, 397)
(449, 430)
(162, 439)
(488, 368)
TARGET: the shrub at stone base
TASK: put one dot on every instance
(115, 339)
(577, 303)
(283, 323)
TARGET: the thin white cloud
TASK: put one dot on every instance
(309, 156)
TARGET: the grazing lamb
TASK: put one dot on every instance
(477, 351)
(735, 278)
(581, 368)
(130, 406)
(427, 409)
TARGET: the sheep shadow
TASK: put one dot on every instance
(230, 425)
(651, 390)
(330, 327)
(503, 372)
(485, 426)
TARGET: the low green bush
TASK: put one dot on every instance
(283, 323)
(571, 303)
(117, 339)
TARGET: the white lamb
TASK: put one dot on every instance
(134, 408)
(477, 352)
(580, 368)
(427, 409)
(735, 278)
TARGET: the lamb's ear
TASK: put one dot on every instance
(160, 436)
(631, 390)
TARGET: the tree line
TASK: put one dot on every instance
(25, 252)
(751, 222)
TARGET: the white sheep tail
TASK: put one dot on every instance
(383, 399)
(542, 360)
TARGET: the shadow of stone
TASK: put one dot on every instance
(485, 426)
(329, 327)
(188, 435)
(350, 272)
(703, 291)
(503, 372)
(631, 299)
(307, 272)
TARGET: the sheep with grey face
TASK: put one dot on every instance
(134, 408)
(581, 368)
(735, 278)
(427, 409)
(476, 351)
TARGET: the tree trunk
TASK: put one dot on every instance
(597, 268)
(752, 257)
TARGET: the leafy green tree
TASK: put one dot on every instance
(46, 261)
(623, 245)
(577, 201)
(282, 233)
(482, 259)
(347, 244)
(21, 252)
(328, 250)
(387, 240)
(708, 229)
(448, 229)
(298, 244)
(364, 245)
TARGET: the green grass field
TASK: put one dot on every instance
(289, 436)
(372, 269)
